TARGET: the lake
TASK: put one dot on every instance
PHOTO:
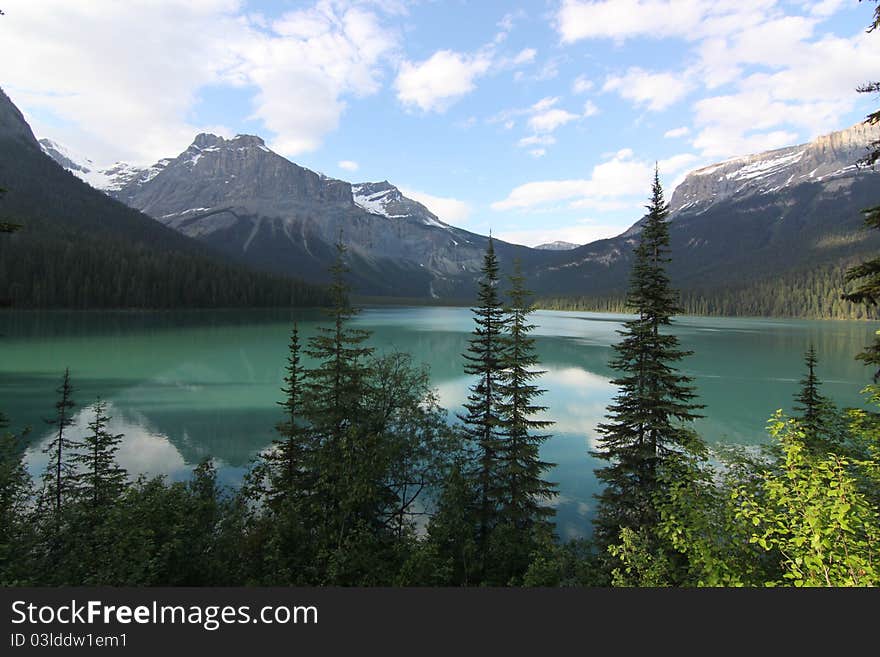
(184, 386)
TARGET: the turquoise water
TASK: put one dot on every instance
(185, 386)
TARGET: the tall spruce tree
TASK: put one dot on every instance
(816, 412)
(523, 490)
(334, 409)
(483, 423)
(60, 474)
(288, 465)
(646, 423)
(336, 384)
(100, 481)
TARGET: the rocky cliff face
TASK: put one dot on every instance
(754, 217)
(830, 157)
(256, 206)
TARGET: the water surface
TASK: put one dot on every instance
(183, 386)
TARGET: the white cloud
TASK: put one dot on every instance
(537, 140)
(544, 104)
(624, 19)
(826, 8)
(507, 23)
(675, 133)
(450, 210)
(526, 56)
(798, 90)
(657, 91)
(783, 81)
(620, 180)
(581, 85)
(551, 120)
(440, 80)
(313, 58)
(349, 165)
(123, 78)
(544, 118)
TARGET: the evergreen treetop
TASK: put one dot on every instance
(646, 422)
(482, 421)
(100, 481)
(59, 475)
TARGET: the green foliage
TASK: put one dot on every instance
(100, 481)
(794, 517)
(15, 495)
(524, 516)
(60, 477)
(483, 422)
(817, 414)
(645, 425)
(813, 513)
(810, 293)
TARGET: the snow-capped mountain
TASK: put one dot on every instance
(829, 157)
(753, 216)
(558, 245)
(254, 205)
(107, 178)
(385, 200)
(749, 218)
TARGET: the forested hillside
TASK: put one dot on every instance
(77, 248)
(812, 293)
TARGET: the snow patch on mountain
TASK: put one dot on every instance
(375, 202)
(828, 157)
(107, 178)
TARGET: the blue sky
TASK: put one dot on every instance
(538, 119)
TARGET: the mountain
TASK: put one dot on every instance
(246, 201)
(109, 179)
(746, 221)
(557, 246)
(79, 248)
(830, 157)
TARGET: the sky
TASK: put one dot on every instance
(538, 119)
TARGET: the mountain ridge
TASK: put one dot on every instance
(731, 219)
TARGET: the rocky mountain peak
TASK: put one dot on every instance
(244, 141)
(207, 140)
(386, 200)
(558, 245)
(829, 157)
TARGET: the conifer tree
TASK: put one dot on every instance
(101, 481)
(288, 459)
(816, 412)
(15, 492)
(524, 491)
(334, 409)
(59, 476)
(645, 426)
(482, 420)
(336, 383)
